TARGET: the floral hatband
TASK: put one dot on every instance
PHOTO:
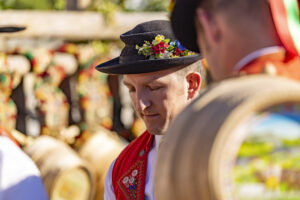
(162, 48)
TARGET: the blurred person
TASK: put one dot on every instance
(19, 177)
(237, 38)
(162, 78)
(241, 37)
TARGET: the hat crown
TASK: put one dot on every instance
(147, 31)
(143, 41)
(138, 35)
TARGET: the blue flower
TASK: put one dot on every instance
(134, 187)
(180, 47)
(130, 187)
(172, 43)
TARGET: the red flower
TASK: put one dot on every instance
(159, 48)
(163, 45)
(177, 52)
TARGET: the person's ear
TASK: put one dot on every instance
(194, 82)
(209, 25)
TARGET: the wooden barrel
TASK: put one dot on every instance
(100, 151)
(66, 176)
(199, 150)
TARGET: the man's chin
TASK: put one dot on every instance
(156, 131)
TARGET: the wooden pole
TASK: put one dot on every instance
(73, 25)
(72, 5)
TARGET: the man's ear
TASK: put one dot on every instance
(194, 82)
(209, 25)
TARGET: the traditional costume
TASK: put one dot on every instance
(149, 47)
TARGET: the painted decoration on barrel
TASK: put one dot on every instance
(268, 160)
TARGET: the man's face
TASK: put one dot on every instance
(157, 97)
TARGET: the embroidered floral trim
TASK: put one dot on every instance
(130, 183)
(162, 48)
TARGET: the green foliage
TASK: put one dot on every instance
(245, 174)
(291, 142)
(60, 4)
(255, 149)
(157, 5)
(33, 4)
(107, 7)
(101, 47)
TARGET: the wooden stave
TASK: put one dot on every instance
(198, 115)
(58, 151)
(101, 163)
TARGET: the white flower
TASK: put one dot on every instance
(166, 54)
(134, 173)
(131, 180)
(125, 180)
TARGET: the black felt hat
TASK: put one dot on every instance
(131, 62)
(10, 29)
(183, 23)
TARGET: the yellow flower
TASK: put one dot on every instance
(159, 38)
(272, 182)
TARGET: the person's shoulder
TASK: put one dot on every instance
(16, 160)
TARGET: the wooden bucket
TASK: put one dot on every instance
(100, 151)
(66, 176)
(200, 148)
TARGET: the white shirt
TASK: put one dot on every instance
(258, 53)
(19, 177)
(149, 192)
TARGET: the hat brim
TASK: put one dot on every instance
(183, 23)
(11, 29)
(144, 66)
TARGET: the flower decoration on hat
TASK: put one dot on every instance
(163, 48)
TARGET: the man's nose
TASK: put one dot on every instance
(143, 102)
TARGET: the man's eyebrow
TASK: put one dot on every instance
(146, 83)
(126, 83)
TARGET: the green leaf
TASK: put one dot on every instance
(154, 42)
(166, 41)
(170, 48)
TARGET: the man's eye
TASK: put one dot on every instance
(153, 88)
(131, 89)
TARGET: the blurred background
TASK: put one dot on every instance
(71, 120)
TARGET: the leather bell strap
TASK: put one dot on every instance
(286, 17)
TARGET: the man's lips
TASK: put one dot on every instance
(150, 116)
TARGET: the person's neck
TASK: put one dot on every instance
(156, 141)
(249, 46)
(257, 54)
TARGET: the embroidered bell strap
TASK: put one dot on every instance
(274, 64)
(286, 17)
(130, 168)
(4, 132)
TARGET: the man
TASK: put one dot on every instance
(239, 37)
(19, 177)
(162, 78)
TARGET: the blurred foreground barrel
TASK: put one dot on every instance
(66, 176)
(100, 150)
(199, 152)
